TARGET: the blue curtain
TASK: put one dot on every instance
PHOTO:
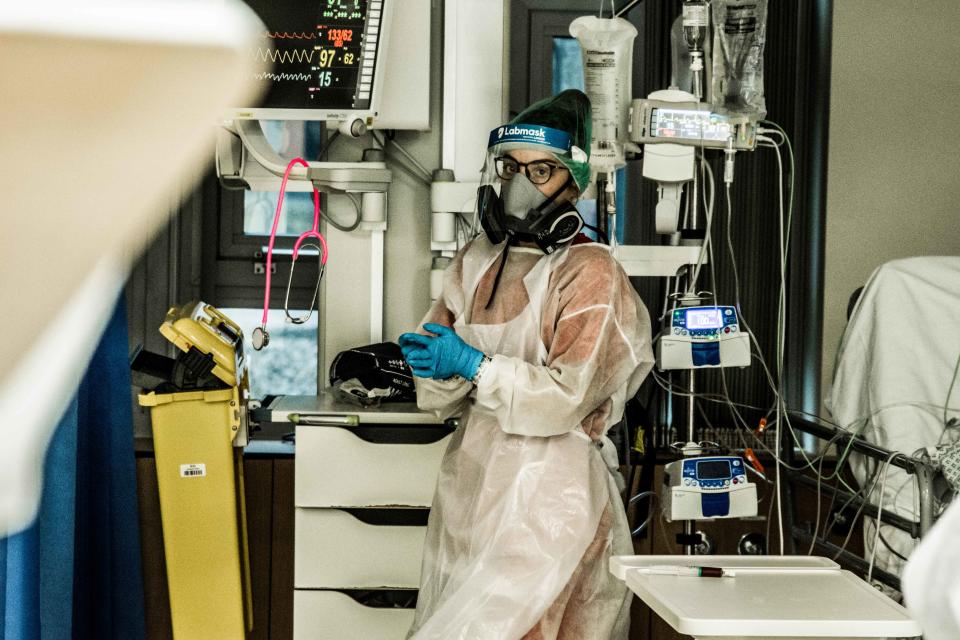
(75, 573)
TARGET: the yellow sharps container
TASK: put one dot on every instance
(199, 430)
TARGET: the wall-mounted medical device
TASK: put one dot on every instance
(689, 123)
(325, 56)
(346, 62)
(364, 63)
(703, 337)
(708, 487)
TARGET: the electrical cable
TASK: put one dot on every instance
(777, 483)
(631, 482)
(663, 532)
(925, 406)
(406, 154)
(716, 398)
(828, 526)
(326, 147)
(692, 283)
(706, 171)
(878, 520)
(816, 519)
(653, 500)
(780, 406)
(783, 417)
(426, 177)
(769, 519)
(733, 259)
(891, 549)
(791, 173)
(346, 228)
(816, 514)
(781, 324)
(781, 340)
(784, 244)
(713, 283)
(868, 486)
(464, 227)
(953, 382)
(666, 300)
(846, 540)
(599, 232)
(775, 132)
(863, 505)
(628, 7)
(721, 399)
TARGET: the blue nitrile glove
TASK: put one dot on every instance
(442, 356)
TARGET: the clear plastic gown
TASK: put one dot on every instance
(527, 513)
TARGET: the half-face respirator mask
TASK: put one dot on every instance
(519, 211)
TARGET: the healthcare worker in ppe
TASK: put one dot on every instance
(537, 341)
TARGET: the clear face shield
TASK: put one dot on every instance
(511, 206)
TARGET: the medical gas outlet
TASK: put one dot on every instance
(703, 337)
(706, 488)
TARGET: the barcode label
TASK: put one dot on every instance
(193, 470)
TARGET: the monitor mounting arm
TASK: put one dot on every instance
(245, 160)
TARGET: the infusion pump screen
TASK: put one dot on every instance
(713, 469)
(322, 53)
(688, 124)
(704, 319)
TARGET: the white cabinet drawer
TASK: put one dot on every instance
(337, 468)
(335, 550)
(329, 615)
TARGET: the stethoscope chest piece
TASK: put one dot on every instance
(260, 338)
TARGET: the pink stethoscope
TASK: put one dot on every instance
(260, 338)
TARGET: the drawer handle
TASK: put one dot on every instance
(406, 517)
(398, 434)
(321, 420)
(382, 598)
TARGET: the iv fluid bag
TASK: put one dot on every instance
(739, 33)
(607, 45)
(681, 77)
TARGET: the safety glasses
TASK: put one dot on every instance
(538, 171)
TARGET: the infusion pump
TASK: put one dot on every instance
(710, 487)
(673, 121)
(703, 337)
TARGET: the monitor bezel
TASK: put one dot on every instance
(369, 115)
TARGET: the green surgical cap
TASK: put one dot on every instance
(568, 111)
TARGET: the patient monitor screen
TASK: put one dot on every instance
(323, 53)
(713, 469)
(688, 124)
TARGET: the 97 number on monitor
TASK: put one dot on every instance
(326, 57)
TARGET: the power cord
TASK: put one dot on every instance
(878, 521)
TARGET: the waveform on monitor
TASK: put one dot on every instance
(276, 77)
(283, 35)
(276, 55)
